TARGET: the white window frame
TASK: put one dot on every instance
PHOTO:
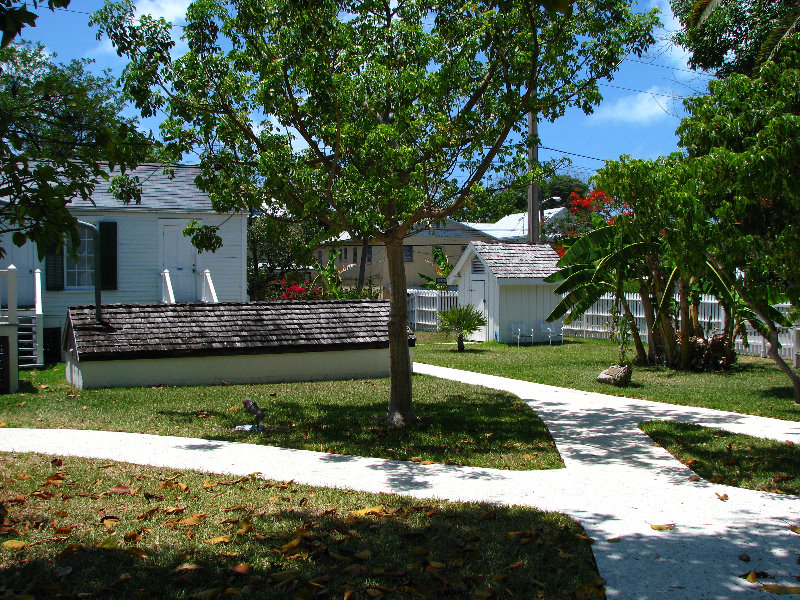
(83, 269)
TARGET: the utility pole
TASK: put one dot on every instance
(533, 144)
(533, 187)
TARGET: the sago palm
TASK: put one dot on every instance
(461, 320)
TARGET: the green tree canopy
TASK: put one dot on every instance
(512, 196)
(561, 187)
(733, 36)
(278, 245)
(60, 134)
(372, 115)
(743, 143)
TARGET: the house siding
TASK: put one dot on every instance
(452, 236)
(138, 261)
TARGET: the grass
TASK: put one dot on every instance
(77, 528)
(754, 385)
(461, 424)
(729, 458)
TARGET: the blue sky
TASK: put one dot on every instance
(641, 109)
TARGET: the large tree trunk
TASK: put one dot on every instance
(666, 324)
(654, 339)
(686, 325)
(401, 406)
(641, 354)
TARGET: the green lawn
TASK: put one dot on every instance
(461, 424)
(78, 528)
(754, 386)
(729, 458)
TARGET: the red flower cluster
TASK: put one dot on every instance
(284, 290)
(595, 201)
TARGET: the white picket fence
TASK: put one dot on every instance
(424, 307)
(595, 324)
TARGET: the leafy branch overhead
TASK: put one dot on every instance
(371, 116)
(60, 135)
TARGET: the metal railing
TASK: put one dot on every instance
(167, 293)
(209, 293)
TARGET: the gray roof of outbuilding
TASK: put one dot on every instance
(535, 261)
(204, 329)
(160, 192)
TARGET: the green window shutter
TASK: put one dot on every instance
(108, 255)
(54, 269)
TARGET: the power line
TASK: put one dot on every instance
(573, 154)
(650, 64)
(627, 89)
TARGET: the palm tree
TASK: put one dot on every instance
(461, 320)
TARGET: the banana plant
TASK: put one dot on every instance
(441, 266)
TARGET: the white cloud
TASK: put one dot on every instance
(173, 11)
(641, 108)
(104, 48)
(672, 54)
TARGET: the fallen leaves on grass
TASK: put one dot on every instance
(773, 588)
(372, 510)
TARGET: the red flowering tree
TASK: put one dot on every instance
(586, 213)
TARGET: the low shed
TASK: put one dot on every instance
(506, 283)
(204, 343)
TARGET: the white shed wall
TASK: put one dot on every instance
(528, 302)
(241, 369)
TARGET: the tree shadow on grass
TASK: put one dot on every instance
(778, 393)
(485, 428)
(318, 550)
(468, 350)
(731, 459)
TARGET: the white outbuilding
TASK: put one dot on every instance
(198, 343)
(506, 283)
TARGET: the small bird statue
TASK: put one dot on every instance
(253, 408)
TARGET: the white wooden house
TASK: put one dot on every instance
(145, 257)
(506, 283)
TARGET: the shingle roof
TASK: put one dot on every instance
(159, 192)
(518, 260)
(200, 329)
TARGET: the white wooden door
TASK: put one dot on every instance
(180, 258)
(477, 297)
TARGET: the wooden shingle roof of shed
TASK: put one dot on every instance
(202, 329)
(535, 261)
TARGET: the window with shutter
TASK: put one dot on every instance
(477, 266)
(79, 269)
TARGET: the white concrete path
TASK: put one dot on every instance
(616, 484)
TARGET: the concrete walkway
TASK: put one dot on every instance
(616, 484)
